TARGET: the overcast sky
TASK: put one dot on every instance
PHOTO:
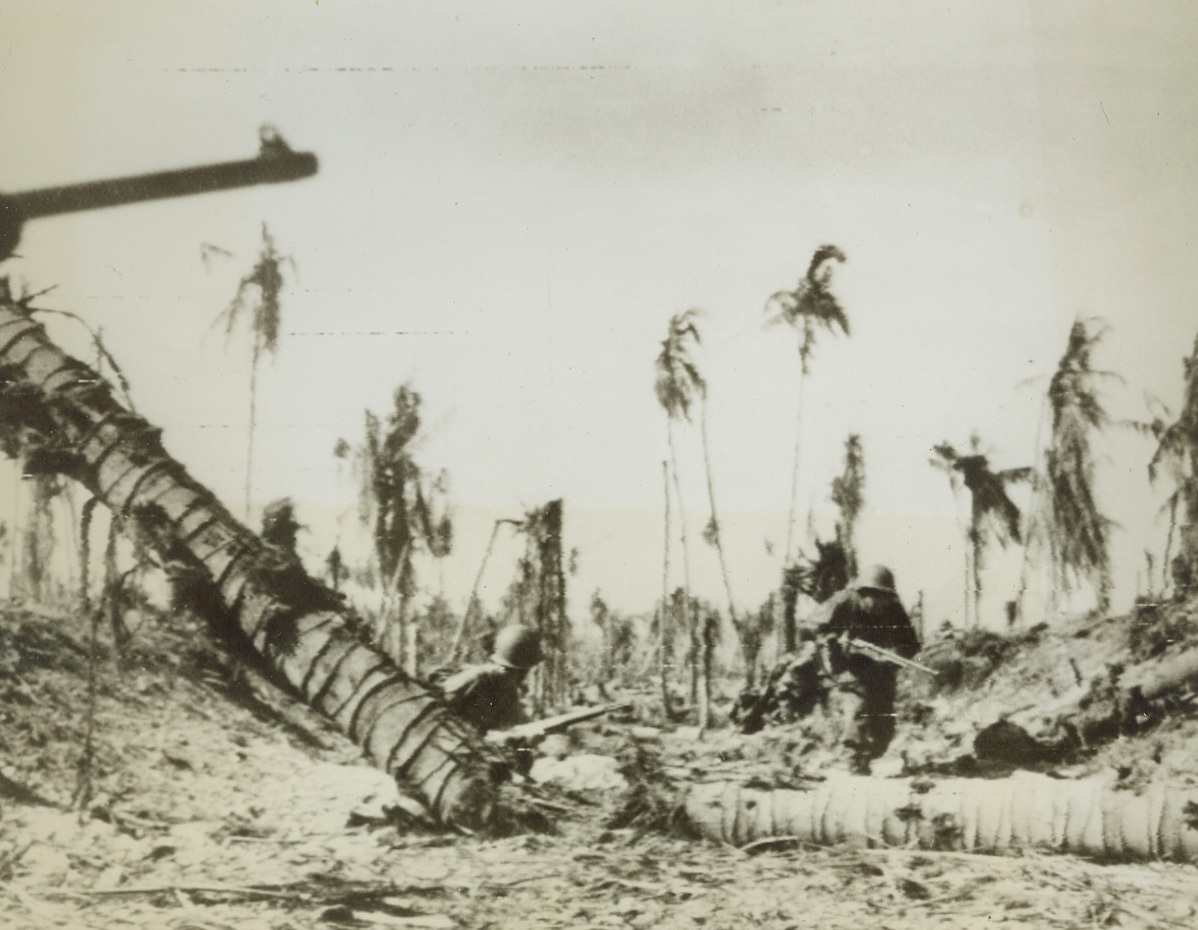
(514, 198)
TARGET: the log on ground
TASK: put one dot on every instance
(1088, 817)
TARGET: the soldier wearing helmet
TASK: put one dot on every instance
(488, 694)
(864, 688)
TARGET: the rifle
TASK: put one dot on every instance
(885, 655)
(275, 163)
(539, 728)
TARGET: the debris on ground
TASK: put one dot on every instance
(206, 812)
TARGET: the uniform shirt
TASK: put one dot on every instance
(488, 695)
(877, 617)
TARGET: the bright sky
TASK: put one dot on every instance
(514, 198)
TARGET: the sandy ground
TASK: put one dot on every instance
(211, 813)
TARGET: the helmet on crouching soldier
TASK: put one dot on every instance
(875, 578)
(517, 647)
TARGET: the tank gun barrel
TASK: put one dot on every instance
(275, 163)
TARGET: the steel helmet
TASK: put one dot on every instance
(517, 647)
(876, 578)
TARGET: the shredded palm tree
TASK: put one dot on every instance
(537, 598)
(258, 297)
(808, 308)
(679, 381)
(811, 306)
(1078, 534)
(1177, 454)
(848, 494)
(405, 509)
(678, 385)
(992, 512)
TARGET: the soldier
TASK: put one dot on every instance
(863, 688)
(488, 695)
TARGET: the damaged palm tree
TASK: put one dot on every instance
(65, 420)
(398, 499)
(848, 494)
(258, 299)
(991, 512)
(1078, 535)
(1177, 454)
(677, 384)
(811, 306)
(1025, 811)
(538, 597)
(835, 561)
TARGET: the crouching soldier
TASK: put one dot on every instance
(488, 694)
(863, 686)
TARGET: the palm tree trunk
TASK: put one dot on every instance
(976, 539)
(408, 633)
(455, 648)
(968, 583)
(389, 635)
(705, 706)
(14, 531)
(794, 473)
(1036, 484)
(249, 446)
(708, 662)
(788, 617)
(663, 660)
(719, 539)
(687, 607)
(1025, 811)
(299, 629)
(693, 663)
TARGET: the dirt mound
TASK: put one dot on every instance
(1052, 697)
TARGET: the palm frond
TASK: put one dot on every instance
(783, 304)
(993, 513)
(945, 455)
(944, 458)
(825, 253)
(678, 381)
(208, 251)
(848, 489)
(258, 296)
(811, 306)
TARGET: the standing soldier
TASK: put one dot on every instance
(863, 689)
(488, 694)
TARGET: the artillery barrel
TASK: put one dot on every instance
(268, 168)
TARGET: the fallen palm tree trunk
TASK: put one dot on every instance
(1025, 811)
(1157, 678)
(63, 417)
